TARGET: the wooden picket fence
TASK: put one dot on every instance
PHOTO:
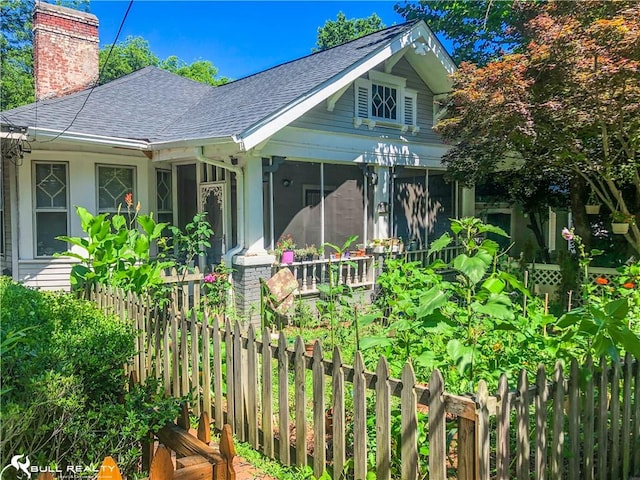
(277, 397)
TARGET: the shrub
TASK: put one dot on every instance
(64, 398)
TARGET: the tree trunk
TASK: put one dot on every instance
(577, 192)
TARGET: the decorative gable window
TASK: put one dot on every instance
(385, 101)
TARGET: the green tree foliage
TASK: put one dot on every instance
(126, 57)
(202, 71)
(135, 53)
(16, 55)
(569, 105)
(480, 30)
(339, 31)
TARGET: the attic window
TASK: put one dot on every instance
(383, 100)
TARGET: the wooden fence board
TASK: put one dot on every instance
(283, 399)
(626, 416)
(338, 438)
(409, 425)
(437, 428)
(522, 436)
(195, 362)
(175, 355)
(383, 421)
(614, 428)
(482, 432)
(217, 373)
(319, 426)
(557, 442)
(589, 422)
(359, 419)
(184, 355)
(252, 382)
(541, 398)
(502, 433)
(206, 366)
(574, 421)
(229, 367)
(300, 401)
(603, 421)
(267, 393)
(238, 385)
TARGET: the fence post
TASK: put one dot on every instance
(466, 449)
(482, 431)
(409, 425)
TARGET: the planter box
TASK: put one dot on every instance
(619, 228)
(592, 209)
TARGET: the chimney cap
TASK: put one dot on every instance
(66, 12)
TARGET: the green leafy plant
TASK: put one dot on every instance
(116, 250)
(603, 323)
(183, 247)
(622, 217)
(216, 288)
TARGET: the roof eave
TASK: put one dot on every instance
(271, 124)
(46, 134)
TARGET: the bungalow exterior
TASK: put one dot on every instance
(334, 144)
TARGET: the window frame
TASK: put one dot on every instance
(160, 211)
(97, 184)
(364, 86)
(36, 209)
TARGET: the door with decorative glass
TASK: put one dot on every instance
(212, 202)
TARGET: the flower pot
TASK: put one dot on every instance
(592, 209)
(619, 228)
(287, 257)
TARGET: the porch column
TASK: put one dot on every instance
(253, 207)
(254, 262)
(468, 202)
(380, 195)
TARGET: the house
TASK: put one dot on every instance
(330, 145)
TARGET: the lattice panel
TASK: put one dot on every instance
(545, 277)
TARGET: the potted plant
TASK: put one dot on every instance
(285, 247)
(620, 222)
(593, 204)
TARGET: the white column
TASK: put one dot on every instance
(253, 208)
(381, 194)
(468, 202)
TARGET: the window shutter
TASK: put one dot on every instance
(362, 98)
(410, 105)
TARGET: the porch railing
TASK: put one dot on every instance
(354, 272)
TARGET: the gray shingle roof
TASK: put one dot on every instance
(156, 106)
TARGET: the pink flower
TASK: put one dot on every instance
(567, 234)
(210, 278)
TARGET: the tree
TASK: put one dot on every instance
(125, 57)
(202, 71)
(339, 31)
(567, 106)
(480, 30)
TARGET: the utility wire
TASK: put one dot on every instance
(100, 74)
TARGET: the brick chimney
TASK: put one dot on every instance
(65, 50)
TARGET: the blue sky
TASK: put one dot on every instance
(239, 37)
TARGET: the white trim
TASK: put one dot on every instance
(36, 209)
(273, 123)
(40, 133)
(390, 80)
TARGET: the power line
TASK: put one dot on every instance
(100, 74)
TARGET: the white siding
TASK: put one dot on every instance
(46, 274)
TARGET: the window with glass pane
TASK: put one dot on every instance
(51, 211)
(384, 102)
(113, 184)
(163, 195)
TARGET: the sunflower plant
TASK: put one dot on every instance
(604, 323)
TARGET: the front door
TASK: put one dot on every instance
(212, 200)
